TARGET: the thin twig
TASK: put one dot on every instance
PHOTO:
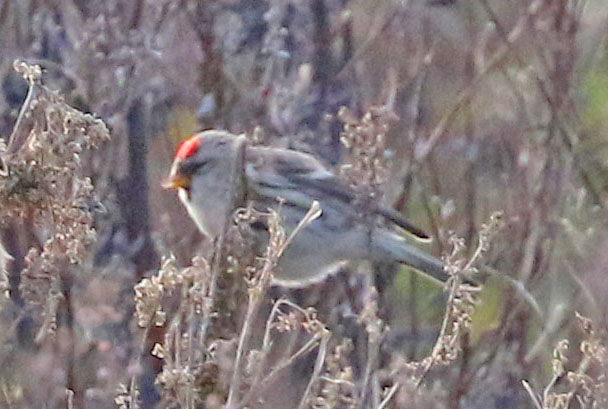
(257, 383)
(256, 295)
(317, 370)
(533, 396)
(266, 343)
(389, 395)
(309, 346)
(372, 358)
(17, 137)
(7, 395)
(466, 94)
(252, 308)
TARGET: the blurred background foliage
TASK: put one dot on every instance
(497, 106)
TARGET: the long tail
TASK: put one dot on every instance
(389, 246)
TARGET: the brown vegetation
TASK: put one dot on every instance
(483, 120)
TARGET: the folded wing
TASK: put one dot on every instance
(299, 178)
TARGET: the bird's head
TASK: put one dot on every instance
(186, 163)
(203, 173)
(196, 157)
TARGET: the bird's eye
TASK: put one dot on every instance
(191, 167)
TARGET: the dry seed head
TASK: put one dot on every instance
(176, 383)
(158, 350)
(41, 179)
(366, 167)
(556, 401)
(286, 322)
(336, 388)
(123, 397)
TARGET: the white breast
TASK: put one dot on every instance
(194, 213)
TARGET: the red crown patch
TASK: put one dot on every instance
(187, 148)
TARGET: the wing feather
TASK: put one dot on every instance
(299, 178)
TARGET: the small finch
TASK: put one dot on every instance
(216, 172)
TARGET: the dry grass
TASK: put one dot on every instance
(482, 118)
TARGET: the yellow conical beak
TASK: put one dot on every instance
(176, 181)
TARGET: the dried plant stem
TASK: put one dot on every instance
(454, 284)
(533, 396)
(191, 313)
(265, 348)
(447, 319)
(317, 370)
(312, 214)
(389, 395)
(582, 369)
(235, 386)
(307, 347)
(533, 238)
(256, 296)
(7, 395)
(70, 398)
(374, 327)
(238, 174)
(18, 134)
(256, 385)
(373, 351)
(466, 94)
(541, 402)
(175, 330)
(569, 136)
(257, 380)
(142, 347)
(550, 385)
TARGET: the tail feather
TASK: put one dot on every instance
(389, 246)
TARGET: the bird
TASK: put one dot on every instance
(216, 172)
